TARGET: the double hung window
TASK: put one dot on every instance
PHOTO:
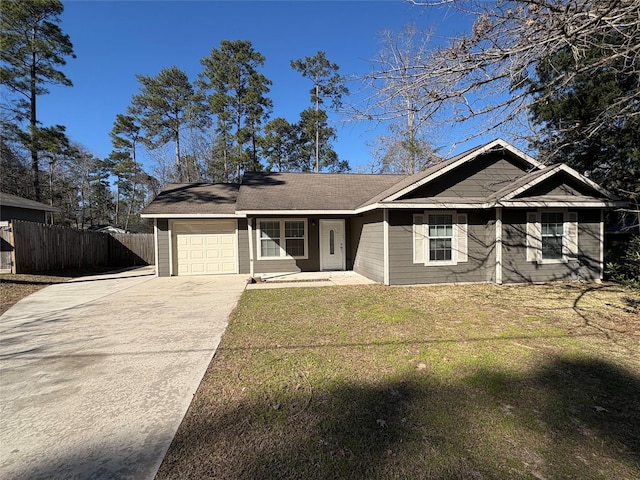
(552, 236)
(552, 232)
(440, 238)
(278, 238)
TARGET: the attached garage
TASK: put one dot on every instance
(204, 247)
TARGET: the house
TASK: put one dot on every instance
(490, 214)
(18, 208)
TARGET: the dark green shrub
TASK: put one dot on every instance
(627, 270)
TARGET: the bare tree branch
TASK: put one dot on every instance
(482, 75)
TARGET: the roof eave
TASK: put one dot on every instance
(562, 203)
(191, 215)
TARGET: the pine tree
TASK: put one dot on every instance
(32, 47)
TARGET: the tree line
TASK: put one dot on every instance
(562, 76)
(218, 124)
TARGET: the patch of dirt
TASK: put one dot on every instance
(14, 288)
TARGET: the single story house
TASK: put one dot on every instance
(13, 207)
(490, 214)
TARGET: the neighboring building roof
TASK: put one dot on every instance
(8, 200)
(264, 191)
(195, 199)
(106, 229)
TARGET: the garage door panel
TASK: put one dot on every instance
(205, 248)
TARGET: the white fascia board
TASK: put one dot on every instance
(434, 205)
(191, 215)
(263, 213)
(532, 183)
(489, 146)
(552, 171)
(562, 204)
(519, 153)
(577, 175)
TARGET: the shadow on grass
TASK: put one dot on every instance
(571, 419)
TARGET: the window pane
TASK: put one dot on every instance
(551, 247)
(295, 247)
(332, 242)
(294, 229)
(440, 249)
(440, 225)
(270, 248)
(270, 229)
(270, 238)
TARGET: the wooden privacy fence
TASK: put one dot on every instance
(38, 248)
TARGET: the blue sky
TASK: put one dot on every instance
(115, 40)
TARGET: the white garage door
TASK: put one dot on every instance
(204, 247)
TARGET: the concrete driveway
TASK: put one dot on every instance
(96, 374)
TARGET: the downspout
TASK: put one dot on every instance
(250, 233)
(499, 245)
(155, 245)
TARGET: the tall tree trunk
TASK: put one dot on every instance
(33, 123)
(178, 159)
(117, 199)
(317, 132)
(133, 199)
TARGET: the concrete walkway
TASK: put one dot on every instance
(310, 279)
(96, 374)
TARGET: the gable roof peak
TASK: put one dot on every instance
(418, 179)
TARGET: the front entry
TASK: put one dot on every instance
(333, 253)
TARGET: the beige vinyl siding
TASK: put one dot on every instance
(480, 266)
(243, 246)
(164, 245)
(481, 178)
(514, 252)
(368, 249)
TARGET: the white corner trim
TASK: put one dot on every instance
(251, 254)
(155, 245)
(499, 246)
(385, 235)
(601, 262)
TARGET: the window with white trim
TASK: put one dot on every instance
(440, 238)
(552, 236)
(280, 238)
(552, 233)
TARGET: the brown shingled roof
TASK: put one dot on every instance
(195, 198)
(309, 191)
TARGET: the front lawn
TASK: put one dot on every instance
(443, 382)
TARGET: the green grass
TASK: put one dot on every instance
(461, 382)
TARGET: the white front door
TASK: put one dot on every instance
(332, 245)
